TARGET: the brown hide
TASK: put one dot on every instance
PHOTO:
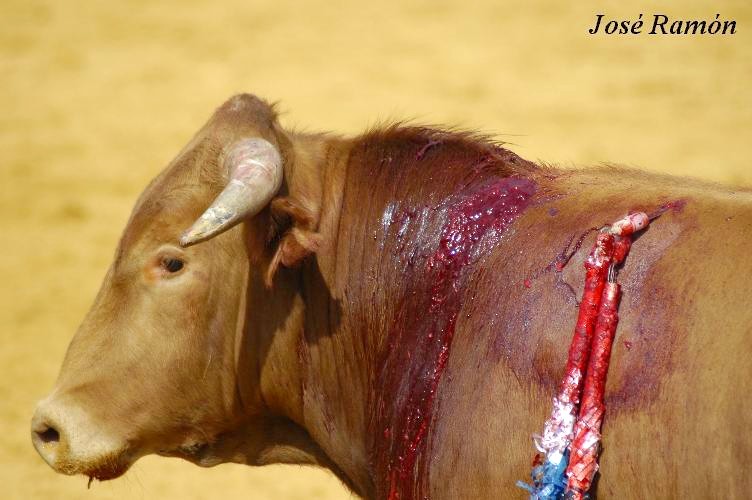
(675, 395)
(414, 326)
(680, 363)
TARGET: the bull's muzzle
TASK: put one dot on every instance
(66, 438)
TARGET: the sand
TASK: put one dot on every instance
(96, 97)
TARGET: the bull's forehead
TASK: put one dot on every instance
(177, 195)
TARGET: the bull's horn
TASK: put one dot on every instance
(255, 171)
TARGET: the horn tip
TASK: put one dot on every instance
(195, 234)
(187, 239)
(185, 242)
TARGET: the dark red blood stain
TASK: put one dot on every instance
(562, 259)
(565, 256)
(675, 206)
(420, 338)
(628, 345)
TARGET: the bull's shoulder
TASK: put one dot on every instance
(680, 361)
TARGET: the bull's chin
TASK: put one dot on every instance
(114, 465)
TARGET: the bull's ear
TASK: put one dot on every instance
(298, 236)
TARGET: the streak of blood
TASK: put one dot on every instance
(420, 339)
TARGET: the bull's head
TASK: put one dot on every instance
(163, 362)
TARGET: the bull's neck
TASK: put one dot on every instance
(309, 368)
(377, 307)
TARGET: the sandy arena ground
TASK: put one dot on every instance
(96, 97)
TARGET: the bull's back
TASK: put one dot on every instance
(677, 410)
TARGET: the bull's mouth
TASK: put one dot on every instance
(109, 467)
(107, 472)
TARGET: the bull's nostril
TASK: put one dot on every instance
(49, 435)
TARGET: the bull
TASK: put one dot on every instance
(387, 307)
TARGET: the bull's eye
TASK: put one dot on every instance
(172, 265)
